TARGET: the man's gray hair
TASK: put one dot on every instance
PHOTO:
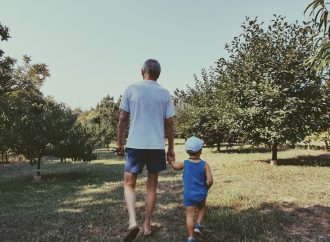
(152, 67)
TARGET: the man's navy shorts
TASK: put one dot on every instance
(137, 158)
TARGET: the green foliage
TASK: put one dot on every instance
(205, 111)
(101, 122)
(107, 116)
(28, 76)
(34, 125)
(263, 93)
(21, 100)
(320, 16)
(277, 97)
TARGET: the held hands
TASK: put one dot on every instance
(171, 160)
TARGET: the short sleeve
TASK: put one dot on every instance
(169, 109)
(124, 103)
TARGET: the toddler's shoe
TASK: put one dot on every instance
(191, 240)
(198, 229)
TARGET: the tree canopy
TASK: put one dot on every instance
(264, 92)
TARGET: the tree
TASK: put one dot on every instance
(19, 89)
(6, 69)
(107, 118)
(28, 76)
(325, 135)
(6, 65)
(6, 134)
(14, 79)
(101, 122)
(34, 125)
(204, 110)
(81, 143)
(276, 96)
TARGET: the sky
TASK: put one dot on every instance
(97, 48)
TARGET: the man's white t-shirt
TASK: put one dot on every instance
(149, 104)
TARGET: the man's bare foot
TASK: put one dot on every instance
(146, 229)
(132, 224)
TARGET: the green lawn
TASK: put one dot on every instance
(250, 200)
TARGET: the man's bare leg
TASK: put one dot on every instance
(130, 197)
(152, 183)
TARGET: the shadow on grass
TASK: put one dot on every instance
(246, 150)
(320, 160)
(84, 172)
(268, 222)
(64, 206)
(308, 160)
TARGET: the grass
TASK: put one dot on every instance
(250, 200)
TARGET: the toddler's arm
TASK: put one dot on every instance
(209, 177)
(177, 165)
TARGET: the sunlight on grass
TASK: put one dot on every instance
(92, 190)
(69, 210)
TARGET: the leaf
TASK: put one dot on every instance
(325, 20)
(317, 14)
(320, 24)
(308, 6)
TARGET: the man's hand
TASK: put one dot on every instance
(170, 156)
(120, 150)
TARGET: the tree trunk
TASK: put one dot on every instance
(6, 155)
(326, 145)
(274, 154)
(309, 145)
(2, 155)
(38, 167)
(218, 146)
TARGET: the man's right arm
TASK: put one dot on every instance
(170, 137)
(122, 123)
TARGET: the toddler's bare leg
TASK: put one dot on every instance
(200, 214)
(190, 214)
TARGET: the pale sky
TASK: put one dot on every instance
(95, 48)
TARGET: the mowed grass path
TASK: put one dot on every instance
(250, 200)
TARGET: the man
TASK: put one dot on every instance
(150, 108)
